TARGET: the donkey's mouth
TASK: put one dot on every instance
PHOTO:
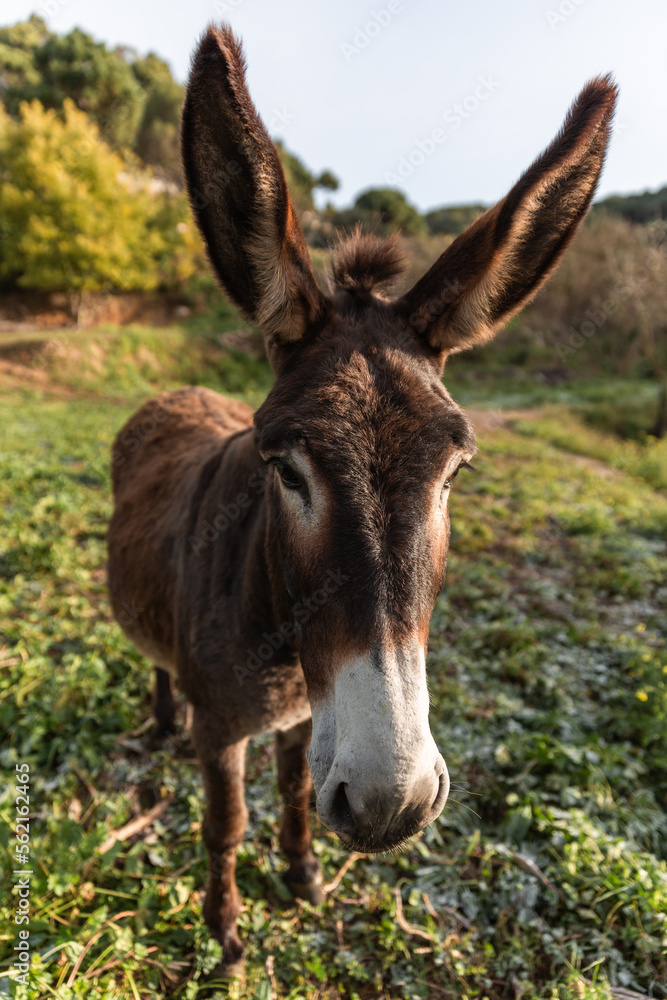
(403, 829)
(363, 847)
(373, 846)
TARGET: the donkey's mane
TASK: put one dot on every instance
(364, 262)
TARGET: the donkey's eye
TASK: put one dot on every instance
(448, 482)
(288, 476)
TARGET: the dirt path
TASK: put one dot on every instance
(487, 421)
(14, 377)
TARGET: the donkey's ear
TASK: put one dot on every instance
(239, 196)
(498, 264)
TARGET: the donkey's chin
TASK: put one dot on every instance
(391, 845)
(373, 847)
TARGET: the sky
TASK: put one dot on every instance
(449, 101)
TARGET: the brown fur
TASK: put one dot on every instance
(365, 263)
(206, 565)
(501, 261)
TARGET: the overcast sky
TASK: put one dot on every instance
(361, 87)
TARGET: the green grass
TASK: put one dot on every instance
(624, 406)
(546, 875)
(646, 459)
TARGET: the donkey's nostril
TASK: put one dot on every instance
(441, 794)
(341, 812)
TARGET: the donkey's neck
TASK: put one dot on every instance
(232, 556)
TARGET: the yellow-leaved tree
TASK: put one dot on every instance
(76, 216)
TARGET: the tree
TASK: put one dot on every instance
(157, 140)
(74, 215)
(453, 219)
(646, 207)
(384, 209)
(99, 81)
(18, 45)
(327, 181)
(393, 209)
(301, 181)
(134, 101)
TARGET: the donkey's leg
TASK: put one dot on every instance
(224, 824)
(164, 707)
(303, 875)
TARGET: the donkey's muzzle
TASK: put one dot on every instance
(377, 772)
(377, 824)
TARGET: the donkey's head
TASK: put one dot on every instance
(363, 437)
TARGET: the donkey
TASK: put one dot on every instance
(284, 565)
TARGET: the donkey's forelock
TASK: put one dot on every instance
(362, 263)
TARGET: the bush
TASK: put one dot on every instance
(75, 216)
(605, 307)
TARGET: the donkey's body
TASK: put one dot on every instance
(285, 565)
(179, 460)
(199, 607)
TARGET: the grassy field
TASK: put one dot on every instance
(546, 875)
